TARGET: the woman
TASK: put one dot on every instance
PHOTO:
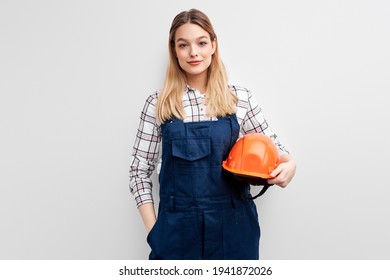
(195, 119)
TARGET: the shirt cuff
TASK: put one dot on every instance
(143, 195)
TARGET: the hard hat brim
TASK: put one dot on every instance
(245, 173)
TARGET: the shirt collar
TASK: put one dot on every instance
(197, 92)
(188, 87)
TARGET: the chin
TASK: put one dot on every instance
(194, 72)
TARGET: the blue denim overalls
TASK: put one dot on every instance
(201, 212)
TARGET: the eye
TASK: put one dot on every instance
(202, 44)
(181, 46)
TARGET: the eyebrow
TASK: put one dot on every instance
(199, 38)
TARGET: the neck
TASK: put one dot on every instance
(199, 82)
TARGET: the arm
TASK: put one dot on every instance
(148, 215)
(254, 121)
(144, 158)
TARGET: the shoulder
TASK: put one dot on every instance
(150, 105)
(152, 98)
(151, 101)
(242, 93)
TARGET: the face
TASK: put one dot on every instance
(194, 50)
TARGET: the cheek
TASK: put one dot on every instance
(180, 54)
(208, 57)
(207, 54)
(180, 57)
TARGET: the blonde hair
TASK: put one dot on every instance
(221, 100)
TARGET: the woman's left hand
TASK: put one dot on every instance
(283, 174)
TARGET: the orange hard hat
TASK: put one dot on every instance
(253, 158)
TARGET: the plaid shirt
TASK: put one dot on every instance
(146, 151)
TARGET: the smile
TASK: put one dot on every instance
(194, 62)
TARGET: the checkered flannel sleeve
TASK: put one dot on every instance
(145, 153)
(251, 118)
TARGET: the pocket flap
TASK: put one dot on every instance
(191, 149)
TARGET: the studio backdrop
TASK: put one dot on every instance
(74, 76)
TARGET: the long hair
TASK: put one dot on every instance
(221, 101)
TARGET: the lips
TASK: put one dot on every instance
(194, 62)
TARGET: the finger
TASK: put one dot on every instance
(276, 171)
(278, 182)
(271, 181)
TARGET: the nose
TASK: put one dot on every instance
(193, 51)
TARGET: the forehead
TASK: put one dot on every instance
(190, 31)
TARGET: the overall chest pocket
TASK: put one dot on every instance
(191, 149)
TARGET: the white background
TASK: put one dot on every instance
(74, 76)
